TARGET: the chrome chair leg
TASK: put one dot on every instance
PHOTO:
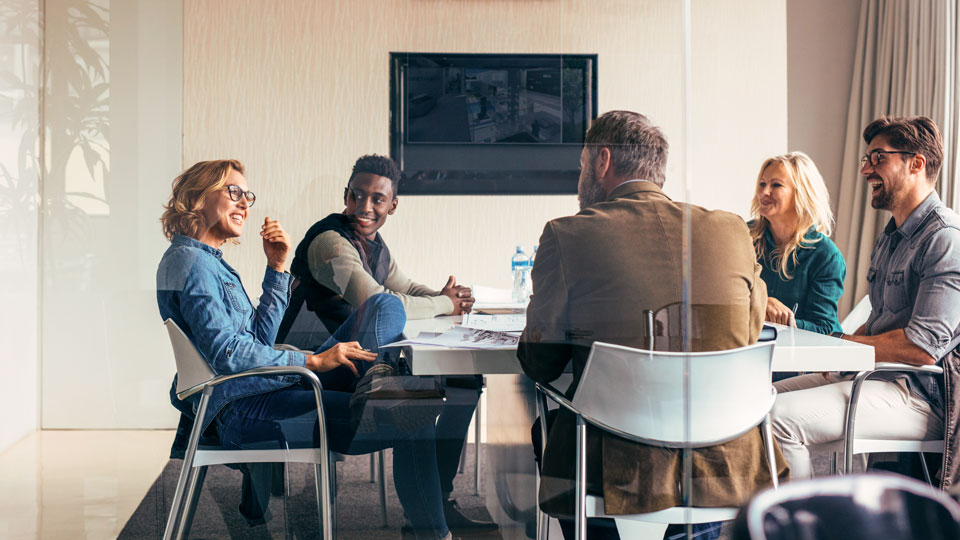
(333, 496)
(185, 473)
(463, 458)
(194, 496)
(318, 479)
(383, 490)
(476, 447)
(926, 471)
(373, 467)
(188, 500)
(543, 520)
(771, 453)
(581, 503)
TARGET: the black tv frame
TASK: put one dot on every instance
(487, 181)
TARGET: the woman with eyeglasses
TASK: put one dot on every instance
(203, 294)
(791, 223)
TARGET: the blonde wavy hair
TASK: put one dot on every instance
(812, 203)
(182, 213)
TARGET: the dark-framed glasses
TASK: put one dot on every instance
(875, 157)
(235, 194)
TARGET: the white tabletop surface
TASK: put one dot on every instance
(796, 350)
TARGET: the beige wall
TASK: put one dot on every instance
(821, 46)
(19, 218)
(298, 90)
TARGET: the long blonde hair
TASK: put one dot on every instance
(182, 213)
(812, 203)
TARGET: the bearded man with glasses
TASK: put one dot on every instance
(914, 288)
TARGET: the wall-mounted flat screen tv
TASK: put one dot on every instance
(490, 123)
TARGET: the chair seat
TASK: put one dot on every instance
(867, 446)
(677, 514)
(870, 446)
(215, 455)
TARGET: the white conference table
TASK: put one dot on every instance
(796, 350)
(510, 473)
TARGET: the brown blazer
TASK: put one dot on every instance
(595, 274)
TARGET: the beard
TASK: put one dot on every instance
(589, 191)
(883, 199)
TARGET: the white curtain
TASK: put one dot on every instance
(906, 65)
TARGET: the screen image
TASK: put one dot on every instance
(482, 123)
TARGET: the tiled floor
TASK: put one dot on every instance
(77, 484)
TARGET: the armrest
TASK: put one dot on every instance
(863, 376)
(894, 366)
(556, 396)
(259, 371)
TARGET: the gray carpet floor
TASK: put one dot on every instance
(294, 515)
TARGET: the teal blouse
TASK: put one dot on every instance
(816, 285)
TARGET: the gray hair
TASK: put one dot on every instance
(638, 149)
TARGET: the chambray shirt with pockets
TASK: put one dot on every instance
(914, 282)
(204, 296)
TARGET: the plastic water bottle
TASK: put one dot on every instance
(519, 266)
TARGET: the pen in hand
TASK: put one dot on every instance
(793, 315)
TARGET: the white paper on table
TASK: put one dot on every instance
(464, 338)
(493, 298)
(497, 323)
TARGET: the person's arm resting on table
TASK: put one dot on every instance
(336, 264)
(936, 313)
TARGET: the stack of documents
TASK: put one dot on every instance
(459, 337)
(513, 322)
(493, 301)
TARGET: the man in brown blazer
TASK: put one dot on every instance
(595, 274)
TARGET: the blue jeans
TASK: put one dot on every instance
(288, 417)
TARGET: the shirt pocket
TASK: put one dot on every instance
(233, 294)
(894, 292)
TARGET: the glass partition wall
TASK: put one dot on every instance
(137, 92)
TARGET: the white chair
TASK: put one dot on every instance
(194, 375)
(853, 445)
(671, 400)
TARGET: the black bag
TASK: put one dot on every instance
(384, 398)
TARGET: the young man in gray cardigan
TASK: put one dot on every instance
(343, 260)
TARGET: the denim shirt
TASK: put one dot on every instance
(204, 296)
(914, 281)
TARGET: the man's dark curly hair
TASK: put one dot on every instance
(380, 166)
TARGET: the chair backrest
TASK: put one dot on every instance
(711, 327)
(676, 399)
(192, 370)
(857, 316)
(855, 507)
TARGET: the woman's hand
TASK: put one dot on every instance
(777, 312)
(276, 244)
(341, 354)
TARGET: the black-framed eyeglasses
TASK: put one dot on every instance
(235, 194)
(875, 157)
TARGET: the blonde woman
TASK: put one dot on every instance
(792, 221)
